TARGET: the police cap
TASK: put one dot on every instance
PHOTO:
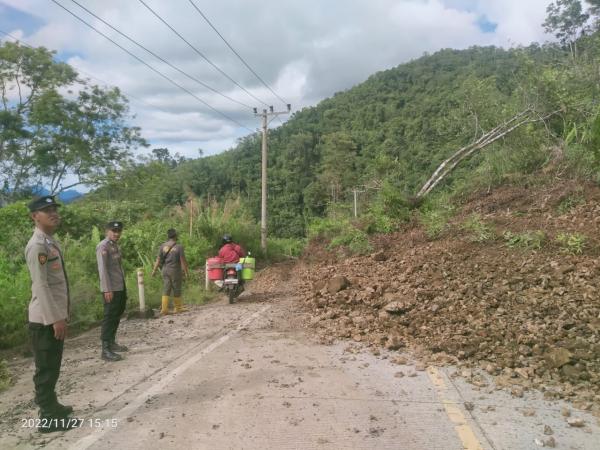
(42, 202)
(114, 225)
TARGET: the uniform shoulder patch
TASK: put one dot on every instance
(166, 248)
(42, 258)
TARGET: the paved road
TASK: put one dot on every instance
(245, 376)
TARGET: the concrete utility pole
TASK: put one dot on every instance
(355, 191)
(263, 198)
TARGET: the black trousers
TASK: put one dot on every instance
(113, 311)
(47, 351)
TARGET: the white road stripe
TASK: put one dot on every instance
(165, 380)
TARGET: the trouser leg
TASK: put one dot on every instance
(119, 310)
(177, 300)
(112, 315)
(47, 351)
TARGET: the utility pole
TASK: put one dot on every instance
(263, 197)
(355, 191)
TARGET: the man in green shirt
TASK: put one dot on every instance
(171, 260)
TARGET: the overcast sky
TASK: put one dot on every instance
(305, 51)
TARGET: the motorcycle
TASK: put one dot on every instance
(230, 277)
(233, 285)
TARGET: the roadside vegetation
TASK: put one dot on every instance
(341, 172)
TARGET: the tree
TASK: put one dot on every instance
(338, 164)
(567, 21)
(594, 12)
(47, 136)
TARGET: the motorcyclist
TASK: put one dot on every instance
(231, 252)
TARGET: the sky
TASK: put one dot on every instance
(303, 51)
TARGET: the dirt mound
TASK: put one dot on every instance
(527, 314)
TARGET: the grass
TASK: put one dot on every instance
(478, 229)
(573, 243)
(532, 240)
(5, 378)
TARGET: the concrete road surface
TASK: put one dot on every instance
(245, 376)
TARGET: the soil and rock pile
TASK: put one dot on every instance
(529, 318)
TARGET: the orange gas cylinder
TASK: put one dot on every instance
(215, 268)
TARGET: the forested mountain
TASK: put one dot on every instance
(389, 132)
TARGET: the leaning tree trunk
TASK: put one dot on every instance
(524, 117)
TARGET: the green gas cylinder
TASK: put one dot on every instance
(248, 265)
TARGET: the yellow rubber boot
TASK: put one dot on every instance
(164, 309)
(179, 305)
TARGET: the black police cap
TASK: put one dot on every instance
(42, 202)
(114, 225)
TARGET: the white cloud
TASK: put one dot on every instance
(305, 51)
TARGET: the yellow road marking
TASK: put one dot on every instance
(461, 426)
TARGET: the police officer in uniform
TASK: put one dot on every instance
(114, 292)
(171, 259)
(48, 312)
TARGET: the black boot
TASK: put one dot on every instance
(51, 421)
(108, 354)
(61, 410)
(114, 347)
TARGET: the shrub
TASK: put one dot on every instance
(434, 222)
(533, 240)
(5, 378)
(435, 213)
(288, 247)
(355, 240)
(570, 202)
(388, 210)
(479, 230)
(573, 243)
(341, 232)
(82, 230)
(16, 293)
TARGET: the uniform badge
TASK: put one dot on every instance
(42, 258)
(166, 248)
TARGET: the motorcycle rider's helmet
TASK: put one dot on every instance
(227, 239)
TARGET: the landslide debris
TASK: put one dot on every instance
(530, 318)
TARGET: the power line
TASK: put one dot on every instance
(200, 53)
(236, 53)
(159, 57)
(127, 94)
(153, 69)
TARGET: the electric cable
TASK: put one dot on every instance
(106, 83)
(200, 53)
(159, 57)
(153, 69)
(236, 53)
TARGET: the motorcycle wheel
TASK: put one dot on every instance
(231, 295)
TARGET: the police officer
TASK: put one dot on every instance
(48, 312)
(171, 258)
(114, 292)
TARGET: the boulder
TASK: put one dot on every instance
(557, 357)
(337, 283)
(397, 307)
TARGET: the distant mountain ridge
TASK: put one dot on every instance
(66, 196)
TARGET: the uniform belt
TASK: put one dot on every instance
(38, 326)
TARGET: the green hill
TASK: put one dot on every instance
(391, 132)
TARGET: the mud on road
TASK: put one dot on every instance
(250, 376)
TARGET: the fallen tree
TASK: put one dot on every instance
(528, 115)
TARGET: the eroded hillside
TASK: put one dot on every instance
(510, 287)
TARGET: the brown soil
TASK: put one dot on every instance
(530, 317)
